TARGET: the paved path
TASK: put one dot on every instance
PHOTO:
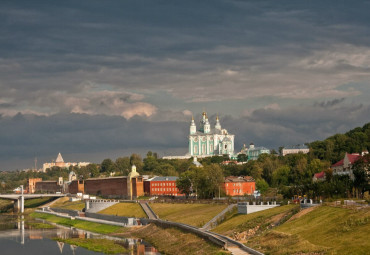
(148, 210)
(213, 222)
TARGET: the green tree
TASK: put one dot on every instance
(136, 160)
(242, 157)
(280, 177)
(93, 169)
(262, 186)
(107, 166)
(123, 165)
(361, 172)
(184, 183)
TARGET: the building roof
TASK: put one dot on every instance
(239, 179)
(59, 159)
(298, 146)
(351, 157)
(163, 178)
(258, 149)
(320, 175)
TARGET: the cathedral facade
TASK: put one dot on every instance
(205, 141)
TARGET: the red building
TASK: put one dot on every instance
(239, 186)
(31, 184)
(162, 186)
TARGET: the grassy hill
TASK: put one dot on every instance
(318, 230)
(191, 214)
(125, 209)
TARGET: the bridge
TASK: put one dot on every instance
(19, 198)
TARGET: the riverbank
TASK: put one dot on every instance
(166, 240)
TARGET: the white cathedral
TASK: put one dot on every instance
(206, 141)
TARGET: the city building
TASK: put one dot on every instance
(344, 166)
(48, 187)
(254, 152)
(162, 186)
(128, 187)
(59, 162)
(239, 185)
(206, 141)
(319, 177)
(31, 185)
(294, 149)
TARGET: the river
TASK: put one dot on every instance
(18, 236)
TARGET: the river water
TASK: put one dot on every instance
(18, 237)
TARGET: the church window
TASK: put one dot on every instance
(196, 149)
(225, 146)
(204, 149)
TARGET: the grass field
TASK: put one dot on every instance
(64, 203)
(191, 214)
(86, 225)
(99, 245)
(326, 229)
(125, 209)
(242, 222)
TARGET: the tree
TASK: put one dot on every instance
(107, 166)
(123, 165)
(93, 169)
(262, 185)
(165, 170)
(136, 160)
(361, 173)
(242, 157)
(184, 183)
(281, 176)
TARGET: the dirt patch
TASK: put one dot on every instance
(301, 213)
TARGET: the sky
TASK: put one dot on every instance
(104, 79)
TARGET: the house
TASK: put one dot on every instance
(294, 149)
(254, 152)
(31, 184)
(344, 166)
(162, 186)
(239, 185)
(319, 177)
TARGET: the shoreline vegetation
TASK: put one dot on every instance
(96, 244)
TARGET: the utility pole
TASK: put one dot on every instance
(35, 163)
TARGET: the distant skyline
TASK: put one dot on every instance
(103, 79)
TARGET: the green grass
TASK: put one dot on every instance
(5, 205)
(98, 245)
(64, 203)
(39, 225)
(191, 214)
(125, 209)
(86, 225)
(242, 222)
(344, 231)
(36, 202)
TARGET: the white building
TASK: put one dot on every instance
(206, 141)
(59, 162)
(294, 149)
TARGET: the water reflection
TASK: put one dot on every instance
(18, 237)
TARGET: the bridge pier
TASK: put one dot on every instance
(19, 203)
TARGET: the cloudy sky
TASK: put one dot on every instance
(97, 79)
